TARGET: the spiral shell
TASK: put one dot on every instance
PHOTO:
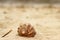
(26, 30)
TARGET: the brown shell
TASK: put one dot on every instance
(26, 30)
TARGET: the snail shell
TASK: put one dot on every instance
(26, 30)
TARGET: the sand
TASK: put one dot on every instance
(45, 20)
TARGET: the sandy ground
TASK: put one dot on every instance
(46, 21)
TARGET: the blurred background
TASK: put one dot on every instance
(30, 1)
